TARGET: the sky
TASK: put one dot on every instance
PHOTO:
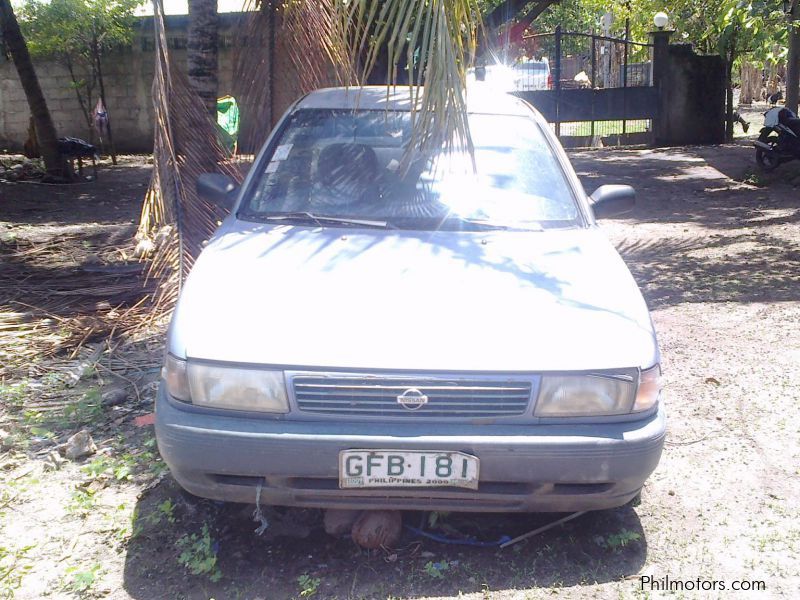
(178, 7)
(172, 7)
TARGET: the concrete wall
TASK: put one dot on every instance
(128, 76)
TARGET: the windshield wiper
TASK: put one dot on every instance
(495, 224)
(321, 220)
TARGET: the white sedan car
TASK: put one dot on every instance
(365, 331)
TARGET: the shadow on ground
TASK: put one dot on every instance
(596, 547)
(115, 197)
(726, 240)
(714, 188)
(756, 267)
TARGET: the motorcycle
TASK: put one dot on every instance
(779, 140)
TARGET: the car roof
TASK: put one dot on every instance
(480, 100)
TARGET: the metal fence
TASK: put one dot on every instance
(587, 85)
(605, 62)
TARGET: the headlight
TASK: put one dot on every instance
(650, 384)
(237, 389)
(174, 374)
(598, 394)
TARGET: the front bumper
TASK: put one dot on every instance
(549, 468)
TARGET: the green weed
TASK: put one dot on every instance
(32, 418)
(615, 541)
(198, 555)
(118, 468)
(82, 502)
(12, 396)
(436, 569)
(13, 568)
(117, 523)
(754, 178)
(86, 410)
(167, 509)
(308, 585)
(80, 582)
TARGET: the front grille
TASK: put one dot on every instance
(361, 396)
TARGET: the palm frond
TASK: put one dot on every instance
(186, 145)
(437, 39)
(293, 47)
(289, 50)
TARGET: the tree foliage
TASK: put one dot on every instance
(14, 43)
(78, 33)
(757, 28)
(74, 26)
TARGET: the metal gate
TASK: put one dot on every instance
(598, 90)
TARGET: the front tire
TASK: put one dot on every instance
(768, 161)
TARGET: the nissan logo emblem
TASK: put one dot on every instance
(412, 399)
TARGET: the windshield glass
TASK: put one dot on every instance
(347, 164)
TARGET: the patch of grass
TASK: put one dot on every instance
(754, 178)
(198, 554)
(615, 541)
(85, 411)
(108, 467)
(13, 568)
(136, 525)
(308, 585)
(81, 581)
(82, 502)
(130, 461)
(117, 523)
(164, 510)
(436, 570)
(32, 418)
(12, 395)
(167, 509)
(603, 128)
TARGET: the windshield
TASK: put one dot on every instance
(346, 164)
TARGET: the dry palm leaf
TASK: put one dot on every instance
(291, 48)
(436, 39)
(186, 146)
(330, 42)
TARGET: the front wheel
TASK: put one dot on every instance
(768, 161)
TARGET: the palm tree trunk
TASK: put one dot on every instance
(202, 51)
(55, 164)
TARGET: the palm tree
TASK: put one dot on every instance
(201, 46)
(55, 164)
(430, 42)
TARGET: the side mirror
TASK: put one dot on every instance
(612, 200)
(217, 188)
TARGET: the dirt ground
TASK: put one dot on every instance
(715, 248)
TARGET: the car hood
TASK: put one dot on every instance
(444, 301)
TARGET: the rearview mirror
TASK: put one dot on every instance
(217, 188)
(612, 200)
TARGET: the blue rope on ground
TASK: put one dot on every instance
(468, 541)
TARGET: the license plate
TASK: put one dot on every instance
(402, 468)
